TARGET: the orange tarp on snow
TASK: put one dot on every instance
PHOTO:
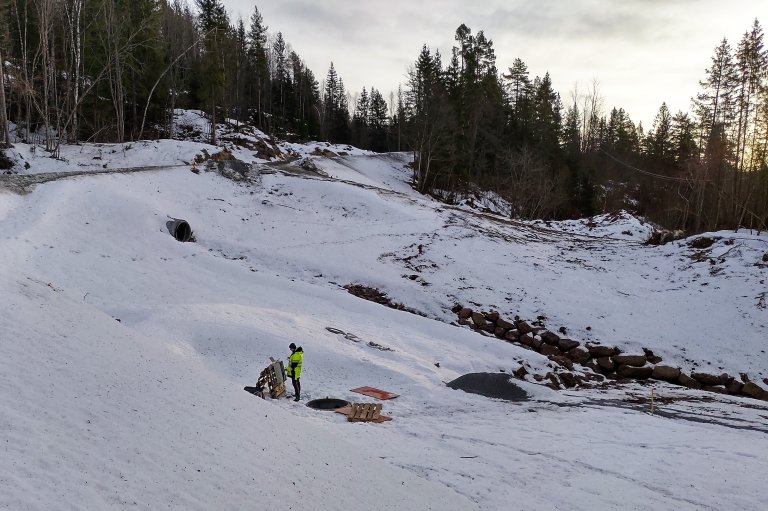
(377, 393)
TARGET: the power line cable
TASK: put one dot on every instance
(645, 172)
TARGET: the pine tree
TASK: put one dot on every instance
(713, 106)
(519, 90)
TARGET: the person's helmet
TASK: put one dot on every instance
(292, 346)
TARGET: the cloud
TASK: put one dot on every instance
(643, 51)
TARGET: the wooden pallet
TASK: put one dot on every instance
(364, 412)
(271, 381)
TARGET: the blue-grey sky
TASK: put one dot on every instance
(640, 52)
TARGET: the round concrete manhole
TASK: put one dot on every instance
(327, 403)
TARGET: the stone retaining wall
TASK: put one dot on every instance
(582, 365)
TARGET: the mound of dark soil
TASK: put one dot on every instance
(495, 385)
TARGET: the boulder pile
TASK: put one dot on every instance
(579, 365)
(375, 295)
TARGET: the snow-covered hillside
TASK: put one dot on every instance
(125, 352)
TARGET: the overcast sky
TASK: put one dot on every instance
(641, 52)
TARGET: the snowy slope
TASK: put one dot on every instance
(126, 351)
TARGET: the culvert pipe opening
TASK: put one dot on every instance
(327, 404)
(179, 229)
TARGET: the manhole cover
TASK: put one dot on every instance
(327, 403)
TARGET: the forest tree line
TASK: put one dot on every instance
(115, 70)
(554, 157)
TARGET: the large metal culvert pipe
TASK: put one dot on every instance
(179, 229)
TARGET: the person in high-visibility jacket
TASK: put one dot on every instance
(294, 369)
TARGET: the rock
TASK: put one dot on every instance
(464, 322)
(478, 318)
(512, 335)
(718, 389)
(687, 381)
(570, 380)
(457, 308)
(712, 380)
(735, 387)
(550, 337)
(666, 373)
(523, 327)
(568, 344)
(536, 342)
(605, 364)
(501, 322)
(538, 377)
(492, 316)
(526, 339)
(578, 355)
(465, 313)
(659, 237)
(638, 373)
(702, 242)
(562, 361)
(499, 332)
(651, 356)
(489, 327)
(753, 390)
(520, 373)
(593, 365)
(548, 349)
(324, 152)
(594, 377)
(630, 360)
(765, 260)
(765, 380)
(598, 351)
(554, 383)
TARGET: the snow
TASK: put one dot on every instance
(125, 352)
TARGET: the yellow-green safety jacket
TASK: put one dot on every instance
(294, 363)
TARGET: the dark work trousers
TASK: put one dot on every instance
(296, 388)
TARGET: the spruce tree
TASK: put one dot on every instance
(360, 135)
(378, 122)
(659, 145)
(335, 109)
(214, 24)
(259, 67)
